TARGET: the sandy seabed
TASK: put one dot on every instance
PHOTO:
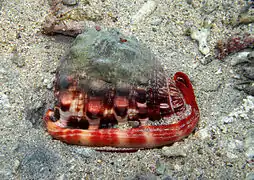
(28, 60)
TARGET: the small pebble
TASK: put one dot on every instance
(227, 120)
(50, 86)
(156, 22)
(231, 155)
(206, 60)
(160, 168)
(174, 151)
(16, 165)
(37, 104)
(203, 133)
(98, 28)
(70, 2)
(16, 59)
(62, 177)
(189, 2)
(84, 152)
(4, 102)
(46, 82)
(219, 71)
(154, 29)
(249, 147)
(144, 11)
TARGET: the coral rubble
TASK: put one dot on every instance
(233, 45)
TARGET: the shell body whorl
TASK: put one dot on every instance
(111, 91)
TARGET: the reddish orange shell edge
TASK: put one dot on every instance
(138, 138)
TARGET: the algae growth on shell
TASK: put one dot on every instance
(108, 58)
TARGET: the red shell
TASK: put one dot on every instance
(111, 93)
(145, 136)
